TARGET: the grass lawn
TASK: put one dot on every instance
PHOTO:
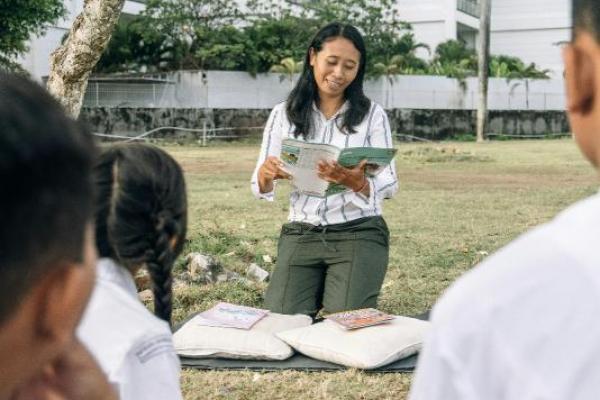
(457, 203)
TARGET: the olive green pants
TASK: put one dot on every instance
(335, 268)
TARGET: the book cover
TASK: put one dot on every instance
(227, 315)
(360, 318)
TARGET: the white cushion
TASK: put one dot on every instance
(257, 343)
(364, 348)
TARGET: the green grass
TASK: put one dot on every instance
(457, 202)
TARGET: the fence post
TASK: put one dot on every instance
(204, 133)
(97, 96)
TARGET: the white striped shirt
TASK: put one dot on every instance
(373, 131)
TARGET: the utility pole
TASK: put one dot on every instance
(484, 66)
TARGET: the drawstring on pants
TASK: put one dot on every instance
(322, 237)
(324, 241)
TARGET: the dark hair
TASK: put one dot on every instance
(46, 162)
(586, 16)
(140, 208)
(300, 100)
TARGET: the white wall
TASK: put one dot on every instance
(531, 30)
(221, 89)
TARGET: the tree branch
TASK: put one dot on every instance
(72, 63)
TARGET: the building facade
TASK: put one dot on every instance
(531, 30)
(435, 21)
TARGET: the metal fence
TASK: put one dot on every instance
(128, 92)
(238, 90)
(210, 134)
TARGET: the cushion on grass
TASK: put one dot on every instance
(364, 348)
(257, 343)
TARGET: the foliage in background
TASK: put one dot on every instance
(133, 50)
(287, 68)
(513, 68)
(454, 59)
(19, 20)
(215, 35)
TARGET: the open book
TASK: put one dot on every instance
(300, 160)
(360, 318)
(227, 315)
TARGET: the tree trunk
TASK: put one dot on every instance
(72, 63)
(484, 67)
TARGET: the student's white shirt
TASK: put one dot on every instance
(525, 324)
(373, 131)
(133, 347)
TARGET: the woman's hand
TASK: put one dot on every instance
(353, 178)
(269, 171)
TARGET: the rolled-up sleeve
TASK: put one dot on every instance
(385, 184)
(271, 146)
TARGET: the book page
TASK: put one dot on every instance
(300, 160)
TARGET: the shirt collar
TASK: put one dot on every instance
(109, 271)
(339, 112)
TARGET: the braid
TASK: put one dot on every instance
(141, 214)
(159, 263)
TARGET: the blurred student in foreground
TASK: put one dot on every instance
(141, 220)
(524, 325)
(47, 251)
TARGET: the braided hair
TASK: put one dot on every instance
(141, 214)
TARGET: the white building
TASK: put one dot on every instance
(36, 60)
(435, 21)
(531, 30)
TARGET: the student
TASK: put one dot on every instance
(140, 222)
(47, 255)
(333, 252)
(524, 325)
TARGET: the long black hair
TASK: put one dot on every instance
(300, 100)
(141, 214)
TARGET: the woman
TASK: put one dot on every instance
(140, 220)
(333, 252)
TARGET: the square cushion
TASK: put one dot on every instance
(364, 348)
(256, 343)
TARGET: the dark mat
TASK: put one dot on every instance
(297, 362)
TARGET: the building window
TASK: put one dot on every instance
(470, 7)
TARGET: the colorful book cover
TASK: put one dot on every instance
(360, 318)
(227, 315)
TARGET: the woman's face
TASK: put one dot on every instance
(335, 66)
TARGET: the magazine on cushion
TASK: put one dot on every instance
(361, 318)
(227, 315)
